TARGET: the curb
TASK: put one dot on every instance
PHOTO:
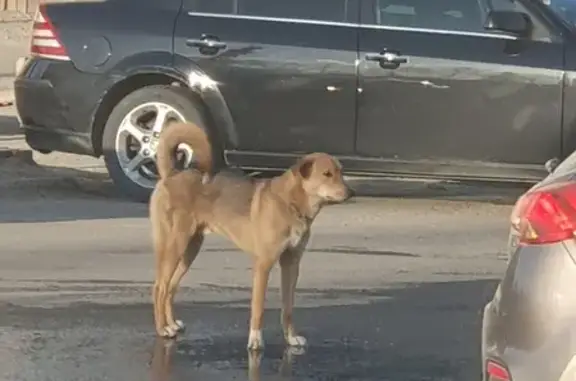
(6, 97)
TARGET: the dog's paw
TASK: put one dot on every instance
(295, 351)
(168, 332)
(296, 341)
(178, 326)
(255, 340)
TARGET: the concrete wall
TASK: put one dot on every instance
(24, 6)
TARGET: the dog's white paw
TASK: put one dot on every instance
(169, 332)
(178, 326)
(296, 341)
(255, 340)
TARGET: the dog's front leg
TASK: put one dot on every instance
(262, 267)
(290, 268)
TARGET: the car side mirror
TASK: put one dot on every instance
(517, 23)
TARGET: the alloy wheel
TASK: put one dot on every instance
(137, 140)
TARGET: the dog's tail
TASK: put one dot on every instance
(189, 134)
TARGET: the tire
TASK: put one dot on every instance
(175, 98)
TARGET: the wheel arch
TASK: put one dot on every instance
(184, 74)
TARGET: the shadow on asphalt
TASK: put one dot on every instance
(331, 250)
(493, 193)
(82, 195)
(46, 210)
(35, 193)
(505, 194)
(428, 331)
(74, 194)
(472, 191)
(70, 195)
(8, 126)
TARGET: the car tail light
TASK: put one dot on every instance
(45, 41)
(496, 372)
(547, 214)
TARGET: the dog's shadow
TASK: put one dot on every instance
(165, 351)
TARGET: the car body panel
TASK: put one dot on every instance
(268, 112)
(217, 107)
(102, 54)
(99, 35)
(518, 80)
(530, 325)
(53, 116)
(290, 86)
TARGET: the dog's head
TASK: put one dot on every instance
(322, 178)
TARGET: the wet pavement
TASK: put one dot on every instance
(391, 289)
(416, 333)
(425, 332)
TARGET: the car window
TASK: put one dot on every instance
(563, 8)
(501, 5)
(321, 10)
(451, 15)
(461, 15)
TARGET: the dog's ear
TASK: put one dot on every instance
(304, 168)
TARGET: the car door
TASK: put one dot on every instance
(437, 87)
(286, 69)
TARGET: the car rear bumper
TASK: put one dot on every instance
(55, 104)
(530, 325)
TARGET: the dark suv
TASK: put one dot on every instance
(456, 89)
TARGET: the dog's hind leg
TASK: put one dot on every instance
(160, 231)
(167, 262)
(194, 245)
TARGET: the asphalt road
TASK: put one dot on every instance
(392, 287)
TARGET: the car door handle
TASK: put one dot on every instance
(386, 57)
(206, 42)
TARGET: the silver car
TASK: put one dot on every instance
(529, 327)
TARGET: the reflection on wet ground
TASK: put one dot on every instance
(274, 363)
(412, 332)
(172, 360)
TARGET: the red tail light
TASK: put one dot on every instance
(496, 372)
(45, 41)
(547, 214)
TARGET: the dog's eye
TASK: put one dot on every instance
(327, 174)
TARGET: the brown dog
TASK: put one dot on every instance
(269, 219)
